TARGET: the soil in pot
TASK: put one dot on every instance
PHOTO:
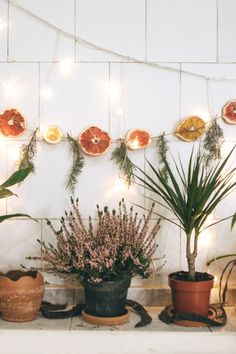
(21, 295)
(107, 299)
(191, 296)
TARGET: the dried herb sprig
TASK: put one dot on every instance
(212, 143)
(121, 158)
(28, 152)
(78, 163)
(163, 147)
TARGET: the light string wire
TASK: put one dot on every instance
(127, 58)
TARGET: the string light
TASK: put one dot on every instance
(127, 58)
(46, 92)
(9, 88)
(3, 24)
(65, 66)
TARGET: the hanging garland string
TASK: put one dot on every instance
(211, 147)
(28, 152)
(211, 143)
(77, 165)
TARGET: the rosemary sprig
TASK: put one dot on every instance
(212, 143)
(162, 146)
(28, 152)
(120, 156)
(78, 163)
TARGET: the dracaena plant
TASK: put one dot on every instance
(15, 178)
(191, 195)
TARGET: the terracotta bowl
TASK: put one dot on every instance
(21, 295)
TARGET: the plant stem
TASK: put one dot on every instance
(221, 257)
(191, 256)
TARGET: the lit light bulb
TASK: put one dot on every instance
(3, 24)
(9, 87)
(46, 92)
(119, 111)
(65, 66)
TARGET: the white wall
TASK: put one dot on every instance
(194, 35)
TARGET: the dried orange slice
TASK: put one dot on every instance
(12, 123)
(52, 134)
(138, 139)
(94, 141)
(191, 128)
(229, 112)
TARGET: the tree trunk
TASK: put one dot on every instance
(191, 266)
(191, 256)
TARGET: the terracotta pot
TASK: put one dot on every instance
(191, 296)
(21, 294)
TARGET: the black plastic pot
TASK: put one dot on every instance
(106, 299)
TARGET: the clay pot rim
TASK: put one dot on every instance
(128, 279)
(23, 278)
(190, 281)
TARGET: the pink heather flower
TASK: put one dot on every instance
(119, 245)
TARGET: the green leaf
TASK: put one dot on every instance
(9, 216)
(17, 177)
(233, 221)
(5, 193)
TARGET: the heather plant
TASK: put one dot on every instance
(119, 245)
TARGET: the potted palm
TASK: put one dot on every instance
(104, 257)
(191, 196)
(21, 292)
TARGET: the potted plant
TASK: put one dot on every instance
(103, 257)
(226, 272)
(191, 196)
(21, 292)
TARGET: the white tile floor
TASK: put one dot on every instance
(73, 336)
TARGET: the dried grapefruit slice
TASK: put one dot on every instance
(138, 139)
(12, 123)
(229, 112)
(52, 134)
(94, 141)
(191, 128)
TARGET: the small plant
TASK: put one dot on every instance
(119, 246)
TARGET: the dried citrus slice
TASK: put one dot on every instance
(94, 141)
(229, 112)
(191, 128)
(138, 139)
(52, 134)
(12, 123)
